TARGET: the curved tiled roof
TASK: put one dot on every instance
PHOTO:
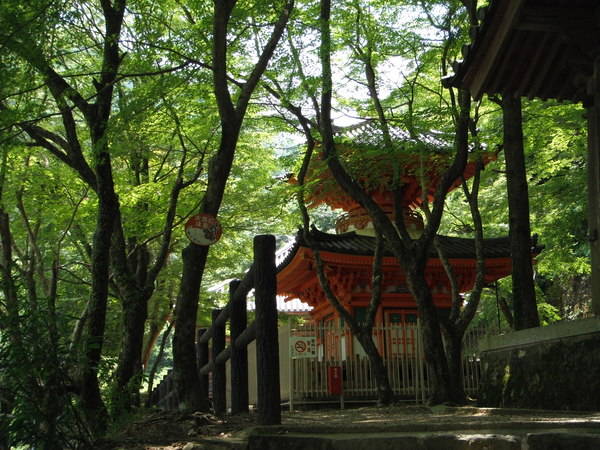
(376, 163)
(355, 244)
(369, 132)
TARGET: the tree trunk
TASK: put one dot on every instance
(98, 116)
(385, 394)
(593, 177)
(506, 312)
(443, 387)
(136, 279)
(161, 351)
(129, 370)
(8, 284)
(156, 328)
(92, 402)
(412, 255)
(453, 338)
(524, 303)
(363, 332)
(185, 373)
(194, 257)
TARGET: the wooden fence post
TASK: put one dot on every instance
(219, 381)
(202, 356)
(164, 391)
(171, 399)
(239, 353)
(267, 341)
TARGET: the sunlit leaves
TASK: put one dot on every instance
(557, 155)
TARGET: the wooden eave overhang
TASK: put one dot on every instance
(533, 48)
(348, 259)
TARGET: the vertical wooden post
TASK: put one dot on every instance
(594, 185)
(171, 399)
(202, 357)
(163, 388)
(267, 341)
(219, 378)
(238, 322)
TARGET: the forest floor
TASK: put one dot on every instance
(172, 430)
(168, 430)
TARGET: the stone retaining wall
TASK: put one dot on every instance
(554, 367)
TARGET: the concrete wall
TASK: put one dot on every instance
(553, 367)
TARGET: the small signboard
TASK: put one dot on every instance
(303, 347)
(203, 229)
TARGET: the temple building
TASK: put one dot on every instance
(348, 254)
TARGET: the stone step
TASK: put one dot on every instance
(455, 440)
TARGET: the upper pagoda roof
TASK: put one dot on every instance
(370, 133)
(419, 160)
(532, 48)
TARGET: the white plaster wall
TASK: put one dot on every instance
(284, 369)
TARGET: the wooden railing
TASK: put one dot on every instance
(261, 277)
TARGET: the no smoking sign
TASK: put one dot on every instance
(303, 347)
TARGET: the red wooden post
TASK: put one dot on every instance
(334, 380)
(267, 342)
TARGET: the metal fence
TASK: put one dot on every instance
(401, 348)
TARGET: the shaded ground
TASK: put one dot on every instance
(171, 431)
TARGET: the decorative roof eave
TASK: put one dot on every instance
(354, 244)
(532, 48)
(296, 272)
(306, 286)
